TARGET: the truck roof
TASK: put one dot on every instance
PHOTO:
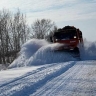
(66, 29)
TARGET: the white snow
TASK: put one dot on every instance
(7, 75)
(89, 51)
(37, 52)
(39, 71)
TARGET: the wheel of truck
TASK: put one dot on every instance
(76, 50)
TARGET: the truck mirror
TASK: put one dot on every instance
(80, 35)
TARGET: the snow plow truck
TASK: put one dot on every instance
(70, 37)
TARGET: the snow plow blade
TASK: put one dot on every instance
(75, 53)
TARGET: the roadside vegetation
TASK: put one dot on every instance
(14, 31)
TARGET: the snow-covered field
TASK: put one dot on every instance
(39, 71)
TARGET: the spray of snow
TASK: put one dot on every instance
(89, 51)
(27, 51)
(38, 52)
(30, 47)
(47, 55)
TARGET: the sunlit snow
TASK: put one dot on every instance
(39, 71)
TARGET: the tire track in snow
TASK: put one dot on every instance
(40, 83)
(61, 82)
(34, 80)
(69, 83)
(57, 83)
(21, 77)
(27, 74)
(19, 83)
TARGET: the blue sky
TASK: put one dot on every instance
(78, 13)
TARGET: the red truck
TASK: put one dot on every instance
(70, 37)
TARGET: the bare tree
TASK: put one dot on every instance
(49, 36)
(13, 33)
(4, 34)
(42, 28)
(20, 30)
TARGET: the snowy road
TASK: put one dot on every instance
(74, 78)
(79, 80)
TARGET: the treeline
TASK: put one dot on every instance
(14, 31)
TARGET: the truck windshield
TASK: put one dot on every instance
(69, 34)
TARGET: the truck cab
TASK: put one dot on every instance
(69, 36)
